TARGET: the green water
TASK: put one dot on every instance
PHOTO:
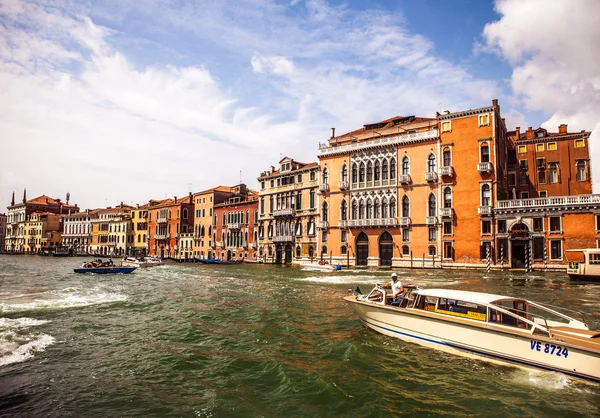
(189, 340)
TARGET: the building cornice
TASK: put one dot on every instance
(577, 135)
(465, 113)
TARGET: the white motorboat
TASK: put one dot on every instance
(587, 266)
(144, 262)
(321, 267)
(491, 327)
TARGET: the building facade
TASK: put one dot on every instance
(139, 220)
(76, 234)
(288, 213)
(3, 222)
(166, 221)
(235, 226)
(39, 229)
(110, 228)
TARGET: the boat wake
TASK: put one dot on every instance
(60, 299)
(17, 343)
(338, 279)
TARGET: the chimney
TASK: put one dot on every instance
(495, 102)
(529, 134)
(175, 199)
(518, 131)
(272, 169)
(24, 195)
(12, 202)
(333, 132)
(437, 114)
(562, 129)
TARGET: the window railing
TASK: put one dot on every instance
(447, 171)
(431, 220)
(484, 167)
(446, 212)
(404, 221)
(343, 185)
(323, 187)
(283, 238)
(404, 178)
(323, 224)
(484, 210)
(430, 176)
(284, 212)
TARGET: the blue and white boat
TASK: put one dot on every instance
(103, 268)
(502, 329)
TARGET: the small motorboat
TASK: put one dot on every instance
(502, 329)
(216, 261)
(587, 267)
(106, 267)
(321, 267)
(141, 263)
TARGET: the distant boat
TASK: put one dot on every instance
(61, 252)
(216, 261)
(321, 267)
(145, 262)
(589, 268)
(103, 268)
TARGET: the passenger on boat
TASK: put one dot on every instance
(397, 289)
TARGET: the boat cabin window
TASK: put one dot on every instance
(594, 258)
(461, 309)
(517, 307)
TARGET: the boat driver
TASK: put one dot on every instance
(397, 289)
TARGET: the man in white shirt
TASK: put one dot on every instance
(397, 288)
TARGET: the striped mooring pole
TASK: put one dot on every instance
(545, 258)
(502, 256)
(487, 257)
(529, 261)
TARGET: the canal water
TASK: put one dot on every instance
(189, 340)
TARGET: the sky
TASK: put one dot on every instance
(131, 100)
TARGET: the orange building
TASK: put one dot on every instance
(235, 226)
(205, 245)
(166, 221)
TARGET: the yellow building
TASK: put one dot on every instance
(105, 229)
(38, 228)
(139, 219)
(288, 213)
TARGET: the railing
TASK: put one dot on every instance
(583, 199)
(323, 224)
(343, 185)
(447, 171)
(343, 223)
(431, 220)
(323, 187)
(404, 221)
(284, 212)
(325, 149)
(234, 225)
(404, 178)
(446, 212)
(484, 210)
(283, 238)
(430, 176)
(161, 220)
(161, 236)
(484, 167)
(369, 222)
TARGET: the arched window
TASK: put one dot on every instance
(432, 250)
(299, 229)
(361, 209)
(344, 210)
(392, 208)
(405, 165)
(447, 157)
(384, 208)
(361, 173)
(185, 211)
(447, 197)
(324, 213)
(431, 205)
(384, 170)
(369, 171)
(580, 165)
(392, 169)
(298, 251)
(553, 172)
(405, 207)
(354, 210)
(377, 174)
(485, 153)
(325, 176)
(139, 239)
(369, 209)
(376, 213)
(431, 163)
(344, 172)
(485, 195)
(354, 173)
(343, 250)
(405, 250)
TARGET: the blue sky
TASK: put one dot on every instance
(136, 100)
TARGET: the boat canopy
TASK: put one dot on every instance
(464, 295)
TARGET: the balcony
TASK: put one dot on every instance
(404, 178)
(284, 212)
(343, 223)
(162, 220)
(369, 222)
(221, 244)
(446, 212)
(234, 225)
(343, 185)
(430, 220)
(405, 221)
(324, 187)
(430, 176)
(484, 210)
(447, 171)
(323, 224)
(161, 236)
(484, 167)
(283, 238)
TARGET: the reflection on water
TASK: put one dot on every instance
(253, 340)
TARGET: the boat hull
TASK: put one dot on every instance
(105, 270)
(216, 261)
(585, 277)
(481, 341)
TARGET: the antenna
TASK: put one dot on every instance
(190, 187)
(240, 176)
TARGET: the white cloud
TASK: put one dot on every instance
(275, 65)
(552, 47)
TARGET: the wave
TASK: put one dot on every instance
(62, 299)
(20, 323)
(19, 353)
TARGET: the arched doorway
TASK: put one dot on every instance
(386, 249)
(288, 253)
(228, 255)
(311, 253)
(519, 245)
(362, 249)
(278, 254)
